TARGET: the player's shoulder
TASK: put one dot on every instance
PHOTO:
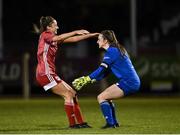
(46, 33)
(113, 50)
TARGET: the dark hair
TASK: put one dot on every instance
(44, 22)
(111, 38)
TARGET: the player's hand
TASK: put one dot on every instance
(94, 34)
(81, 32)
(82, 81)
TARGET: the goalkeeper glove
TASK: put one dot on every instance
(82, 81)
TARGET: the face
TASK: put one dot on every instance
(54, 27)
(101, 41)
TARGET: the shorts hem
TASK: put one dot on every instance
(50, 85)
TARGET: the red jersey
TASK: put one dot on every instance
(46, 54)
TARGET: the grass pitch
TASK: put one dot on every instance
(47, 116)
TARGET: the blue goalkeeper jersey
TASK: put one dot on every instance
(117, 63)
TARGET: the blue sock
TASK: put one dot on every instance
(113, 111)
(107, 112)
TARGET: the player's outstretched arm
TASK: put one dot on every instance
(80, 37)
(62, 37)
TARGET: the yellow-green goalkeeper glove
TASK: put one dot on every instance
(82, 81)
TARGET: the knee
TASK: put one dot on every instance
(68, 96)
(100, 99)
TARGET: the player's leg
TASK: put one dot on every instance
(111, 92)
(77, 110)
(61, 90)
(57, 86)
(79, 115)
(112, 105)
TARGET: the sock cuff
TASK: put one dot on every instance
(111, 103)
(68, 103)
(104, 103)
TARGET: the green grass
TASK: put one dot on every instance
(137, 116)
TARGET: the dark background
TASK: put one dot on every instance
(158, 42)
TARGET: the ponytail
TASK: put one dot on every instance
(36, 29)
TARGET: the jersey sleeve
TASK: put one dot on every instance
(104, 68)
(48, 37)
(109, 58)
(99, 73)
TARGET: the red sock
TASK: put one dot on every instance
(70, 113)
(77, 112)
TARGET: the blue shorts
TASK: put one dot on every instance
(128, 87)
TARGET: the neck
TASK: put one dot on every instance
(106, 46)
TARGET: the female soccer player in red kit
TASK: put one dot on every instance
(46, 73)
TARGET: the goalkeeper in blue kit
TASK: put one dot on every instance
(117, 62)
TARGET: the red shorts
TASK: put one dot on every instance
(48, 81)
